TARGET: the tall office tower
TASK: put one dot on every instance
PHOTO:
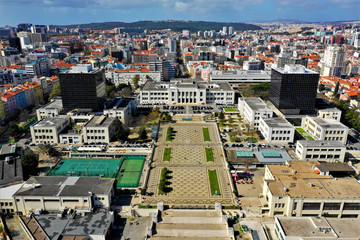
(231, 30)
(224, 30)
(39, 29)
(356, 39)
(333, 61)
(293, 89)
(171, 43)
(83, 88)
(166, 68)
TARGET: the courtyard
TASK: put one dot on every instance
(192, 161)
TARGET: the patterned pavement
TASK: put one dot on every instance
(189, 181)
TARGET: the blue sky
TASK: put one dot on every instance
(60, 12)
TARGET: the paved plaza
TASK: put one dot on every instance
(188, 178)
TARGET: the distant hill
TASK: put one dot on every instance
(193, 26)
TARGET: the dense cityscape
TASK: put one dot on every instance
(180, 130)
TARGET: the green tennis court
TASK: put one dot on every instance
(130, 172)
(87, 167)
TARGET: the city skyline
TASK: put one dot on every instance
(75, 12)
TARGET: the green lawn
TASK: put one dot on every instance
(169, 133)
(209, 155)
(304, 134)
(214, 184)
(206, 135)
(230, 109)
(251, 139)
(167, 153)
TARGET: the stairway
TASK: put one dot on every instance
(191, 225)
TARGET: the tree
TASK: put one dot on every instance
(121, 133)
(135, 81)
(55, 92)
(221, 115)
(15, 130)
(321, 87)
(231, 120)
(336, 90)
(142, 133)
(30, 164)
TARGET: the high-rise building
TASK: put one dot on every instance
(39, 29)
(166, 68)
(171, 43)
(224, 30)
(231, 30)
(83, 88)
(356, 39)
(333, 61)
(293, 89)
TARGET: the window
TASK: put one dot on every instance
(332, 206)
(311, 206)
(351, 206)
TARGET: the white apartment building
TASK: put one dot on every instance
(325, 129)
(52, 193)
(333, 61)
(186, 91)
(99, 129)
(296, 190)
(330, 151)
(330, 113)
(252, 109)
(240, 77)
(125, 77)
(47, 130)
(277, 130)
(52, 109)
(122, 108)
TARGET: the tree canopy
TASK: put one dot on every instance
(55, 92)
(30, 164)
(121, 132)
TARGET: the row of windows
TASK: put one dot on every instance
(329, 206)
(334, 132)
(280, 138)
(96, 137)
(43, 130)
(44, 137)
(279, 205)
(280, 132)
(334, 138)
(95, 131)
(323, 150)
(322, 156)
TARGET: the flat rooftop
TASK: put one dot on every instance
(321, 143)
(118, 103)
(300, 180)
(255, 103)
(51, 121)
(11, 172)
(295, 69)
(309, 227)
(94, 223)
(65, 186)
(99, 121)
(328, 123)
(54, 104)
(277, 122)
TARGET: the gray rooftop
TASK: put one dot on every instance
(54, 104)
(51, 121)
(11, 172)
(255, 103)
(334, 109)
(277, 122)
(95, 223)
(328, 123)
(320, 143)
(309, 227)
(100, 121)
(65, 186)
(186, 83)
(295, 69)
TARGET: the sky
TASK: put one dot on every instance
(61, 12)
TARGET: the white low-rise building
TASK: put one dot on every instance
(99, 129)
(252, 109)
(325, 129)
(47, 130)
(330, 151)
(52, 109)
(330, 113)
(186, 91)
(121, 108)
(277, 130)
